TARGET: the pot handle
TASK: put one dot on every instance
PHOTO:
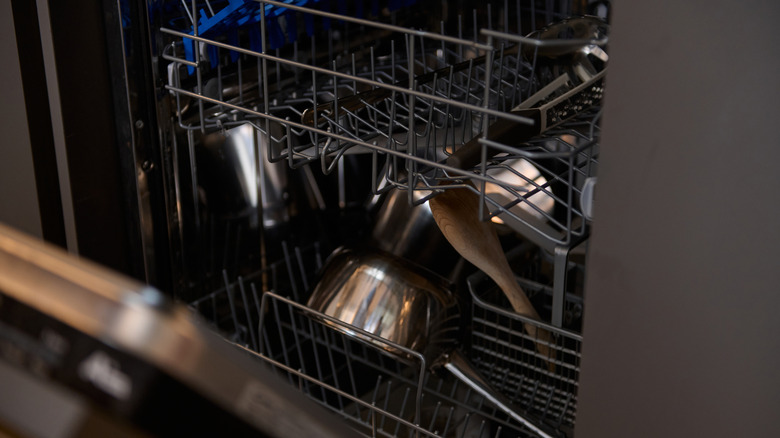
(456, 363)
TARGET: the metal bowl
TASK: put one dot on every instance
(400, 302)
(389, 297)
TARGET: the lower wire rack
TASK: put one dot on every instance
(380, 393)
(382, 389)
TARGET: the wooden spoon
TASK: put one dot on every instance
(456, 211)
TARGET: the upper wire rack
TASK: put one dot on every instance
(411, 98)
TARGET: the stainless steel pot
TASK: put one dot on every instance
(408, 230)
(408, 306)
(230, 157)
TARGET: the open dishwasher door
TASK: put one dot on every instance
(86, 352)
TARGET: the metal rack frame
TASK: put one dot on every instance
(416, 105)
(380, 388)
(384, 389)
(407, 113)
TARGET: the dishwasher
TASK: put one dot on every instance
(244, 157)
(289, 135)
(351, 110)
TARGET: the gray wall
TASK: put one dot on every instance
(18, 196)
(682, 324)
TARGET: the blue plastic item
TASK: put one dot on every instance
(241, 13)
(232, 37)
(292, 26)
(308, 21)
(213, 56)
(275, 35)
(255, 39)
(325, 20)
(205, 24)
(237, 14)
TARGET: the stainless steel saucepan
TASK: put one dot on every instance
(410, 232)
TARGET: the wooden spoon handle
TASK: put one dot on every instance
(456, 212)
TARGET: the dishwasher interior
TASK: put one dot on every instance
(292, 130)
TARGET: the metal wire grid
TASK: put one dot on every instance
(379, 393)
(277, 100)
(421, 95)
(544, 205)
(564, 156)
(234, 308)
(380, 388)
(507, 357)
